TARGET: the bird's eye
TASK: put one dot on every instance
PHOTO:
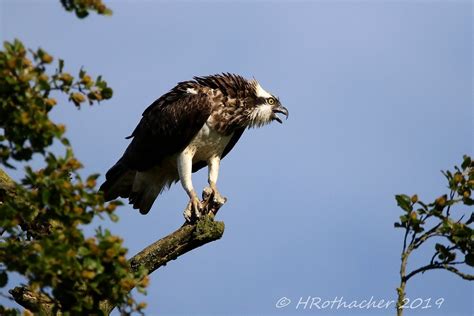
(271, 101)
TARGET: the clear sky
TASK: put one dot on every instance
(380, 100)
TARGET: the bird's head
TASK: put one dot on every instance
(265, 108)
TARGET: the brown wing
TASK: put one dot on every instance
(167, 127)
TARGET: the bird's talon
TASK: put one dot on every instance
(217, 197)
(193, 211)
(207, 194)
(188, 216)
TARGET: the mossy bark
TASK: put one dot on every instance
(186, 238)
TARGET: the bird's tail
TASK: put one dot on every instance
(141, 188)
(147, 186)
(143, 199)
(119, 182)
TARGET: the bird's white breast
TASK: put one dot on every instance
(207, 143)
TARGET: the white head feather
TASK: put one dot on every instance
(263, 113)
(261, 92)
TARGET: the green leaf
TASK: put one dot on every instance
(404, 202)
(468, 201)
(451, 256)
(90, 264)
(444, 253)
(107, 93)
(81, 13)
(466, 163)
(404, 219)
(45, 196)
(61, 65)
(470, 220)
(113, 217)
(100, 83)
(469, 259)
(18, 45)
(440, 248)
(40, 53)
(3, 278)
(83, 251)
(65, 141)
(8, 46)
(93, 177)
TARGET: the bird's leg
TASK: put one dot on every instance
(185, 165)
(213, 164)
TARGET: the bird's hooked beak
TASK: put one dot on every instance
(279, 109)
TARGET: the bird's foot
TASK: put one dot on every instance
(213, 200)
(194, 210)
(217, 198)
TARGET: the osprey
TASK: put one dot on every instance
(195, 124)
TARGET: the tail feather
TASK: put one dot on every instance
(143, 200)
(147, 186)
(119, 182)
(141, 188)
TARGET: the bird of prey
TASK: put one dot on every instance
(195, 124)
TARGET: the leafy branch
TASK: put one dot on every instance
(26, 101)
(41, 217)
(456, 235)
(83, 7)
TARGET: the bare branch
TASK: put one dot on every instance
(419, 241)
(181, 241)
(185, 239)
(407, 230)
(434, 266)
(451, 197)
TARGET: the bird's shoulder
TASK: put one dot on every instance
(184, 105)
(186, 92)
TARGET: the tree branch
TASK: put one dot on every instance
(35, 302)
(188, 237)
(448, 267)
(185, 239)
(181, 241)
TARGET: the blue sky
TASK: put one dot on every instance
(380, 100)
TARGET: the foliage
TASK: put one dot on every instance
(25, 101)
(42, 219)
(424, 221)
(82, 7)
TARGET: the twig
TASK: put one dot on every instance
(444, 266)
(407, 229)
